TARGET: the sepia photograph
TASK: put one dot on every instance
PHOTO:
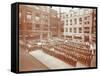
(56, 37)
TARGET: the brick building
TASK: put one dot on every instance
(78, 25)
(38, 22)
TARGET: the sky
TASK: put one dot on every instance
(62, 9)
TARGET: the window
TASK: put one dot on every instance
(70, 29)
(44, 18)
(85, 18)
(85, 22)
(75, 21)
(88, 17)
(86, 38)
(80, 30)
(28, 16)
(37, 18)
(80, 20)
(66, 22)
(66, 29)
(86, 32)
(74, 30)
(88, 22)
(86, 28)
(77, 37)
(37, 26)
(66, 16)
(71, 22)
